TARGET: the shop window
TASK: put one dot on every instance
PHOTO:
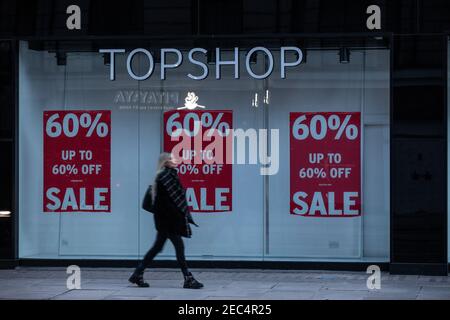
(260, 224)
(325, 87)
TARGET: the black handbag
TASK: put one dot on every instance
(147, 203)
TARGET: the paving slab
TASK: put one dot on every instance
(37, 295)
(434, 293)
(339, 295)
(350, 285)
(375, 295)
(220, 284)
(221, 298)
(117, 297)
(239, 292)
(288, 295)
(247, 284)
(84, 295)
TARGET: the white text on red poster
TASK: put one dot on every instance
(200, 140)
(77, 161)
(325, 164)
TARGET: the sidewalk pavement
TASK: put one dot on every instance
(220, 284)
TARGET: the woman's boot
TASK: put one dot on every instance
(138, 279)
(191, 283)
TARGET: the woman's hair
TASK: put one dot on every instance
(163, 158)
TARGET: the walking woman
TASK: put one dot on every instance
(172, 219)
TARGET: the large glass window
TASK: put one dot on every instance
(260, 225)
(325, 85)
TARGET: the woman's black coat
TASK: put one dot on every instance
(170, 210)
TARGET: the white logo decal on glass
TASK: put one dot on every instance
(190, 102)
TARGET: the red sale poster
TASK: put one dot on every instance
(325, 164)
(201, 143)
(77, 161)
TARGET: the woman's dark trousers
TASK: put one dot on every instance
(157, 247)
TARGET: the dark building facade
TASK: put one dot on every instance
(394, 79)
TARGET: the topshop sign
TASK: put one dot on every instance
(194, 57)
